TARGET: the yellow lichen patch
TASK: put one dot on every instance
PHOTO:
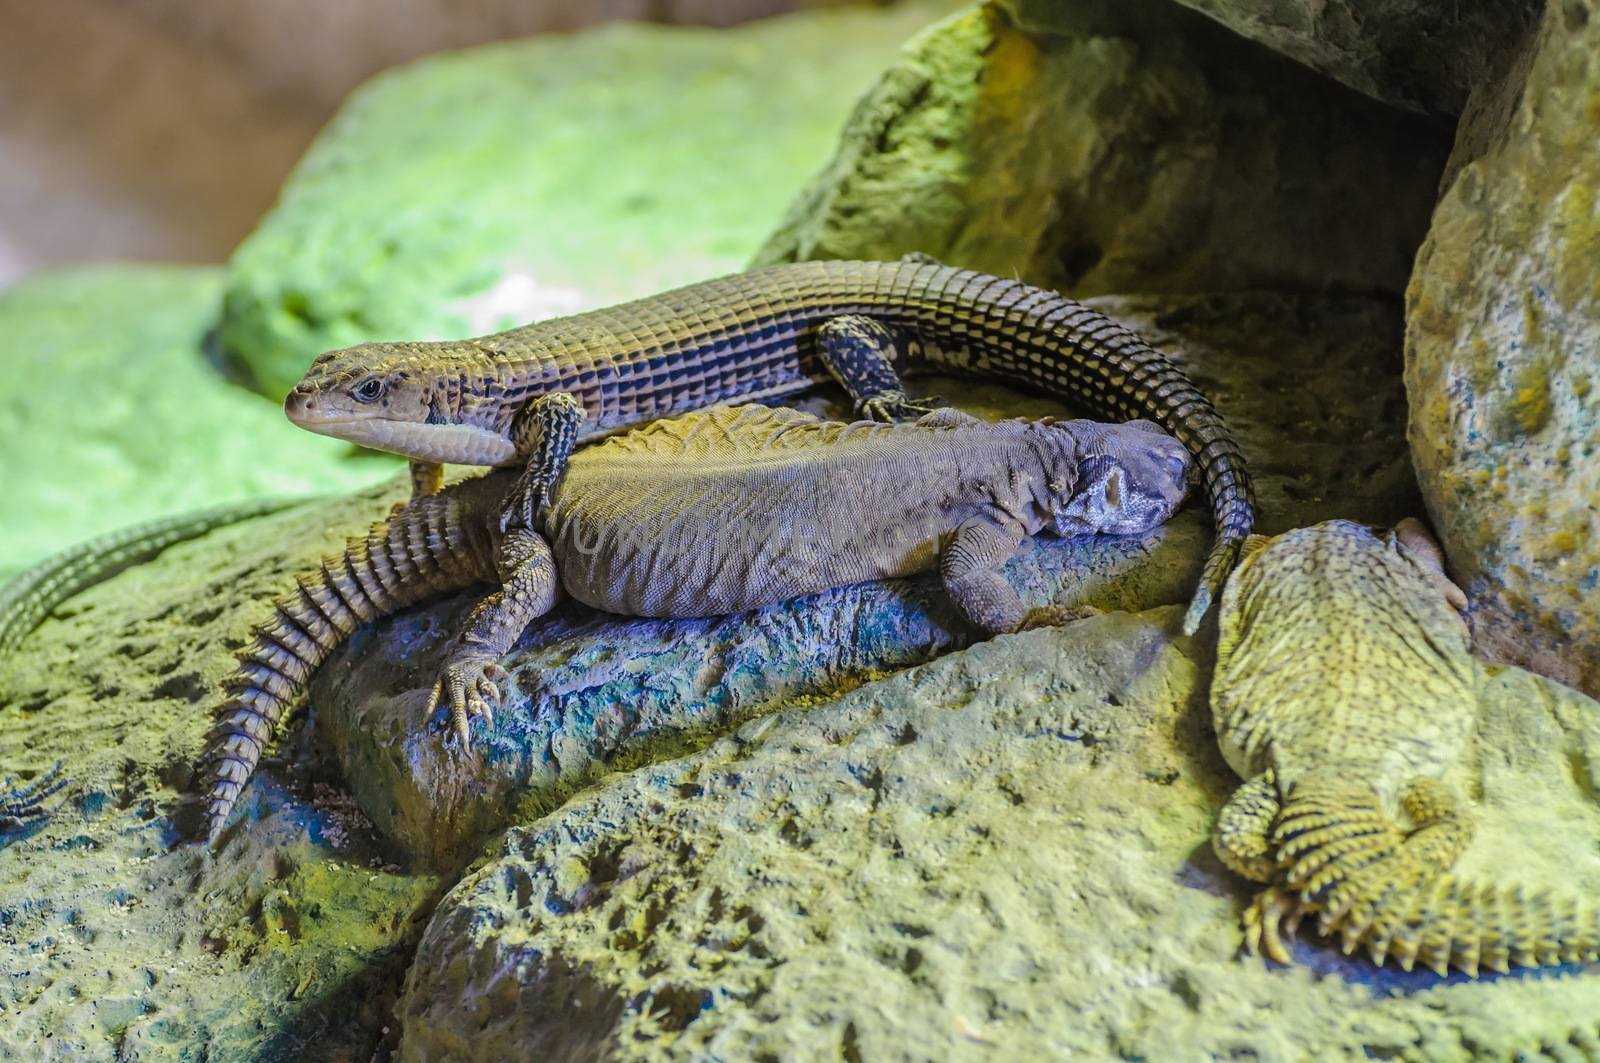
(1008, 75)
(1579, 241)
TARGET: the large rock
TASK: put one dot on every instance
(1418, 54)
(594, 693)
(1129, 145)
(999, 855)
(1503, 351)
(114, 415)
(486, 188)
(118, 941)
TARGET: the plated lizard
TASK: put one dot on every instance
(1344, 690)
(758, 335)
(715, 512)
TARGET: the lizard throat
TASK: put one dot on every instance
(455, 444)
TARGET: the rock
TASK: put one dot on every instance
(1417, 54)
(1003, 852)
(595, 693)
(117, 940)
(1133, 146)
(486, 188)
(1502, 348)
(114, 416)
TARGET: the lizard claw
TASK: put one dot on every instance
(891, 406)
(1273, 913)
(526, 504)
(470, 686)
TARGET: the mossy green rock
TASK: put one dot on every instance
(1503, 355)
(486, 188)
(113, 414)
(1127, 146)
(1000, 855)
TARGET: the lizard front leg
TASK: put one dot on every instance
(427, 478)
(969, 564)
(471, 677)
(545, 430)
(859, 351)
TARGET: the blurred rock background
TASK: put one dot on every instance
(161, 129)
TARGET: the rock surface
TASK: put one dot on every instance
(1002, 854)
(1502, 353)
(118, 941)
(1417, 54)
(595, 693)
(490, 187)
(113, 415)
(1133, 146)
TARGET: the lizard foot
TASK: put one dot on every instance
(527, 502)
(1273, 913)
(1056, 615)
(470, 685)
(891, 406)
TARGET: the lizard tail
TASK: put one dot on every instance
(422, 551)
(29, 597)
(1386, 889)
(1451, 923)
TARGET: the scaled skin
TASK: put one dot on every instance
(1344, 690)
(714, 512)
(759, 335)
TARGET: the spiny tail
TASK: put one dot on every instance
(1387, 891)
(423, 551)
(1451, 923)
(29, 597)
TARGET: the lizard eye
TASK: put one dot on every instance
(369, 390)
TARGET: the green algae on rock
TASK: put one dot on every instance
(1502, 354)
(114, 416)
(1002, 854)
(490, 187)
(1134, 147)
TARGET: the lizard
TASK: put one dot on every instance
(718, 511)
(755, 336)
(30, 596)
(1344, 690)
(21, 806)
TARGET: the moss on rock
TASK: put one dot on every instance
(114, 415)
(489, 187)
(1127, 146)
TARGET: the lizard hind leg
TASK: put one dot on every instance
(860, 352)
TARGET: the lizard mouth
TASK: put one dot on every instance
(454, 444)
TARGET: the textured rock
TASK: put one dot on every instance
(118, 942)
(1418, 54)
(1002, 854)
(486, 188)
(594, 693)
(1135, 146)
(113, 415)
(1502, 352)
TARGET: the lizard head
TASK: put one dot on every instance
(399, 398)
(1131, 477)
